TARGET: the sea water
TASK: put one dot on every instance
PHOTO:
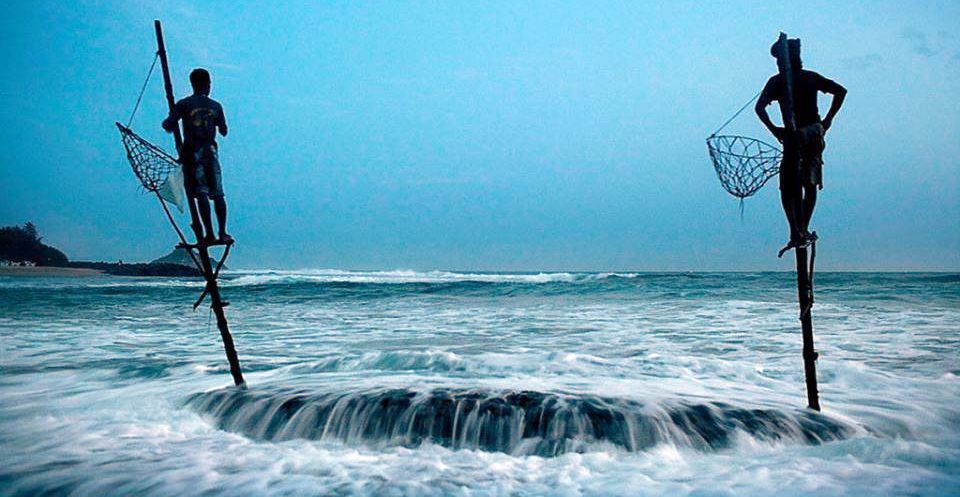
(442, 383)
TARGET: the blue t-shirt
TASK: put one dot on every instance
(201, 116)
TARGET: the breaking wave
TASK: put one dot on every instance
(249, 278)
(515, 422)
(330, 277)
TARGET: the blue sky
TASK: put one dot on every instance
(485, 136)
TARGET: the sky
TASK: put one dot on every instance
(535, 136)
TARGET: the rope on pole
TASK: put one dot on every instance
(143, 89)
(735, 114)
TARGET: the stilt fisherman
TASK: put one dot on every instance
(202, 118)
(801, 170)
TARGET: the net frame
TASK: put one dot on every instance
(743, 164)
(150, 163)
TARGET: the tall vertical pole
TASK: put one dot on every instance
(212, 288)
(177, 137)
(804, 290)
(805, 297)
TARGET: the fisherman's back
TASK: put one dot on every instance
(806, 84)
(201, 115)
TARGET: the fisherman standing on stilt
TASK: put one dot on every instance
(202, 118)
(801, 170)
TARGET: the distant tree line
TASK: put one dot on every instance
(139, 269)
(24, 244)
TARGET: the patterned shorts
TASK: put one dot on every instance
(802, 163)
(206, 172)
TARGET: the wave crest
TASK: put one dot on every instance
(516, 422)
(249, 278)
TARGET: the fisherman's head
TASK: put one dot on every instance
(793, 47)
(200, 80)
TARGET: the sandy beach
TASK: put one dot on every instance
(48, 272)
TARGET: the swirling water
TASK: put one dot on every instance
(439, 383)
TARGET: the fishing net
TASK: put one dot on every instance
(150, 163)
(743, 164)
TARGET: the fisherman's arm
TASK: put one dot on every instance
(761, 109)
(170, 123)
(839, 93)
(222, 124)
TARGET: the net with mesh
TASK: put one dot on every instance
(149, 162)
(743, 164)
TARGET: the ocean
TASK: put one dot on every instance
(405, 383)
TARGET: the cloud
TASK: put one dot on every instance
(225, 66)
(862, 62)
(918, 42)
(186, 11)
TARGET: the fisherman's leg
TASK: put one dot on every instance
(204, 177)
(790, 192)
(220, 205)
(215, 179)
(203, 205)
(809, 203)
(190, 188)
(789, 202)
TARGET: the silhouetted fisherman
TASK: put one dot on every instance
(202, 117)
(801, 170)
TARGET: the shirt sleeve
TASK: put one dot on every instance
(826, 85)
(171, 121)
(770, 92)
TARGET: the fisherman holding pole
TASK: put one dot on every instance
(801, 171)
(202, 118)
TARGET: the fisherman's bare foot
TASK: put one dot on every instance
(225, 238)
(792, 244)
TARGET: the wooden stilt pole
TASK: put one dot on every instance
(176, 227)
(804, 286)
(212, 288)
(805, 296)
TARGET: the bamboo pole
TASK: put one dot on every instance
(804, 288)
(176, 227)
(212, 288)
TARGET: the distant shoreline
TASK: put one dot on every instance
(49, 272)
(81, 269)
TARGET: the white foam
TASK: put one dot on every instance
(93, 383)
(264, 277)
